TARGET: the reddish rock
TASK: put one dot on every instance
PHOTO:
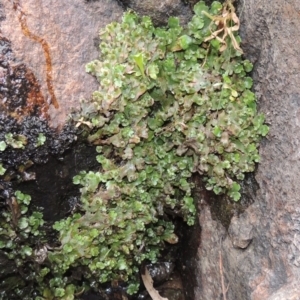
(70, 29)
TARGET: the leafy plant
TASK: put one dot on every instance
(2, 145)
(15, 141)
(17, 228)
(16, 222)
(171, 102)
(2, 170)
(172, 93)
(19, 233)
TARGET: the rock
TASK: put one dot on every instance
(171, 289)
(240, 233)
(20, 92)
(269, 267)
(70, 30)
(162, 10)
(160, 271)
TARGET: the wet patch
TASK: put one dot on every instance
(20, 92)
(45, 173)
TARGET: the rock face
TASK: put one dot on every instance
(162, 10)
(260, 251)
(69, 28)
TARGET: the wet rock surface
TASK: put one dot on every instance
(269, 266)
(171, 289)
(20, 92)
(30, 128)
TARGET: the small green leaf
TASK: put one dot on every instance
(67, 248)
(2, 146)
(248, 82)
(263, 130)
(59, 292)
(23, 223)
(215, 44)
(216, 7)
(17, 141)
(122, 265)
(217, 131)
(77, 179)
(199, 7)
(185, 41)
(26, 250)
(248, 65)
(44, 272)
(217, 190)
(152, 71)
(139, 60)
(195, 26)
(2, 170)
(2, 244)
(173, 22)
(40, 140)
(235, 187)
(226, 164)
(236, 196)
(132, 289)
(23, 198)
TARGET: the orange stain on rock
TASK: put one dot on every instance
(35, 99)
(46, 49)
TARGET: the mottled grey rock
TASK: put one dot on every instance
(269, 268)
(240, 232)
(287, 292)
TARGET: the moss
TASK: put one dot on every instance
(171, 102)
